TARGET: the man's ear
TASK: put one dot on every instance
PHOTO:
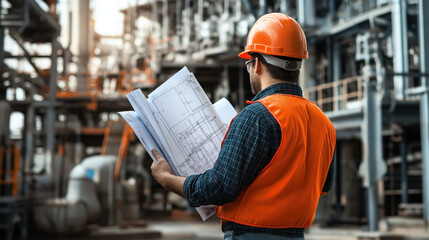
(258, 66)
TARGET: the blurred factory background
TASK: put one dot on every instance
(69, 165)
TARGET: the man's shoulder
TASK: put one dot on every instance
(254, 109)
(255, 113)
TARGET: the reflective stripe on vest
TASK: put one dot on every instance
(286, 192)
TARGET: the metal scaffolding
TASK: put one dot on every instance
(24, 21)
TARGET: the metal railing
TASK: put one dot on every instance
(335, 96)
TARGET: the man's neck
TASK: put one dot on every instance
(266, 82)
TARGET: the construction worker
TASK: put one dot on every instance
(275, 160)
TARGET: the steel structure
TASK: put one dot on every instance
(367, 69)
(25, 21)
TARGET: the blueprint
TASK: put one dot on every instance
(192, 122)
(179, 121)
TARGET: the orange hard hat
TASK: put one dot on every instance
(276, 34)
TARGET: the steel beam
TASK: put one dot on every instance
(41, 18)
(33, 56)
(20, 43)
(355, 22)
(400, 46)
(424, 102)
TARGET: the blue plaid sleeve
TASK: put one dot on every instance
(250, 144)
(329, 182)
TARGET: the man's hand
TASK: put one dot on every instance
(163, 174)
(160, 169)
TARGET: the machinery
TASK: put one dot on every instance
(81, 204)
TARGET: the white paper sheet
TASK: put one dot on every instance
(140, 130)
(225, 110)
(159, 134)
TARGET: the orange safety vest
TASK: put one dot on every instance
(286, 192)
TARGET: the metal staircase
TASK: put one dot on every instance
(14, 15)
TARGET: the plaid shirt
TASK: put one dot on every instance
(253, 139)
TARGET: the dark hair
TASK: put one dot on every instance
(279, 73)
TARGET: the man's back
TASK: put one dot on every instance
(286, 192)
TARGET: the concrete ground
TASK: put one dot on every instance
(181, 225)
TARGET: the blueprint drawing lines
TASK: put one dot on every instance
(193, 124)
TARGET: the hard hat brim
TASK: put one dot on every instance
(244, 54)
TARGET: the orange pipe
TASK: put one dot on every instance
(122, 152)
(106, 137)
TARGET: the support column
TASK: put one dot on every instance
(331, 13)
(50, 111)
(2, 32)
(424, 103)
(186, 25)
(400, 46)
(2, 35)
(80, 40)
(241, 96)
(338, 179)
(306, 14)
(404, 168)
(29, 143)
(424, 131)
(372, 146)
(166, 23)
(329, 56)
(248, 8)
(199, 23)
(336, 73)
(336, 59)
(283, 6)
(262, 8)
(178, 25)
